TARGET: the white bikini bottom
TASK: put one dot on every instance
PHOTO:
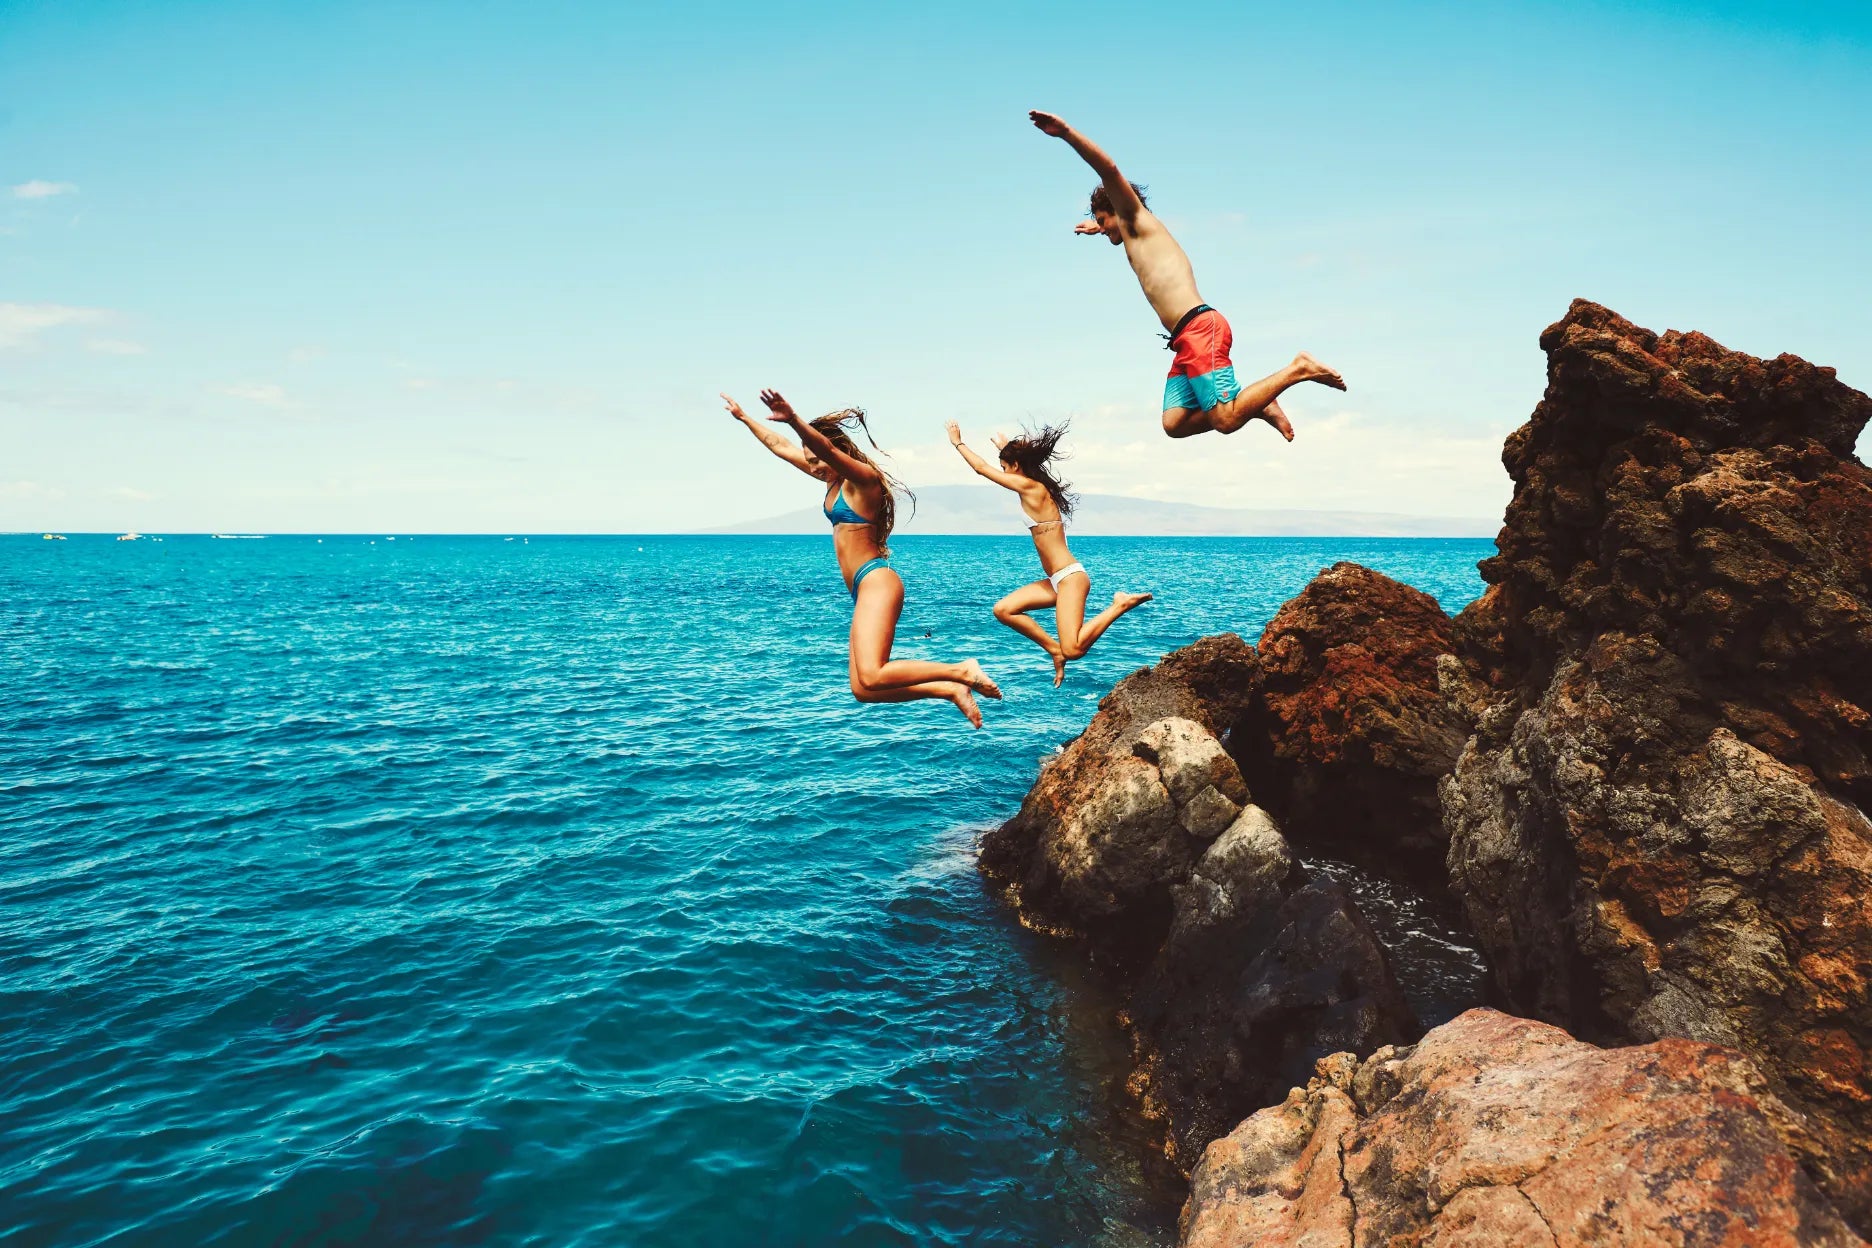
(1067, 571)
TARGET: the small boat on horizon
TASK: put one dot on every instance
(129, 537)
(239, 537)
(52, 537)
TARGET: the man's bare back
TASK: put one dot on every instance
(1202, 393)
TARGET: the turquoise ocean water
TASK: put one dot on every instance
(466, 891)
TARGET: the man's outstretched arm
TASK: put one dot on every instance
(1125, 201)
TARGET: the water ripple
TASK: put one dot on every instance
(464, 892)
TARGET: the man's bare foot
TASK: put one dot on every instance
(976, 679)
(1274, 416)
(1124, 602)
(1059, 667)
(965, 702)
(1316, 371)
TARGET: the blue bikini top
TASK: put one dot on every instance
(841, 512)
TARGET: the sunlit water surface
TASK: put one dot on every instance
(463, 891)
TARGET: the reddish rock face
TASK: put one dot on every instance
(1499, 1131)
(1352, 729)
(1657, 828)
(1666, 486)
(1141, 839)
(1654, 745)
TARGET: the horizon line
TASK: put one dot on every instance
(711, 534)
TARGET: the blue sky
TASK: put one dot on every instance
(483, 266)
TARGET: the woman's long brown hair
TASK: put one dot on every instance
(837, 426)
(1033, 454)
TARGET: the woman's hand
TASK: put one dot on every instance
(778, 408)
(1000, 441)
(955, 433)
(734, 408)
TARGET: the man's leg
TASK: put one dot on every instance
(1254, 399)
(1183, 413)
(1182, 422)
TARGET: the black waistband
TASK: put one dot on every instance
(1189, 316)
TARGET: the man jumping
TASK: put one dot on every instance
(1202, 392)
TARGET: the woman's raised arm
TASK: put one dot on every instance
(772, 439)
(1006, 480)
(845, 465)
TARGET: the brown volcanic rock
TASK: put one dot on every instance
(1670, 487)
(1100, 839)
(1643, 886)
(1140, 837)
(1495, 1130)
(1657, 828)
(1246, 997)
(1352, 730)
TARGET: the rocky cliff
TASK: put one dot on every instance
(1141, 839)
(1638, 764)
(1498, 1131)
(1657, 828)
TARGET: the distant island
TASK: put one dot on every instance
(978, 509)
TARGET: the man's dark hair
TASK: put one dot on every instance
(1101, 199)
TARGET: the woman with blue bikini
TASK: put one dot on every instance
(859, 489)
(1026, 468)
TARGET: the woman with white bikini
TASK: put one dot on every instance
(1026, 469)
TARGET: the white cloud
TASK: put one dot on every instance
(1342, 460)
(131, 494)
(39, 189)
(115, 346)
(21, 323)
(29, 490)
(266, 393)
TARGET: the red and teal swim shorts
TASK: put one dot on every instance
(1202, 375)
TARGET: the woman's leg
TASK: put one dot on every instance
(1078, 633)
(948, 690)
(1095, 627)
(1069, 615)
(874, 630)
(1012, 611)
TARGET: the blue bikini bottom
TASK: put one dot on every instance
(864, 570)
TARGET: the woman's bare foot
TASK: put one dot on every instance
(1274, 416)
(976, 679)
(1059, 667)
(965, 702)
(1124, 602)
(1316, 371)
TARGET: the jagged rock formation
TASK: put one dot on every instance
(1650, 749)
(1495, 1130)
(1668, 487)
(1141, 836)
(1100, 840)
(1352, 730)
(1657, 829)
(1263, 973)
